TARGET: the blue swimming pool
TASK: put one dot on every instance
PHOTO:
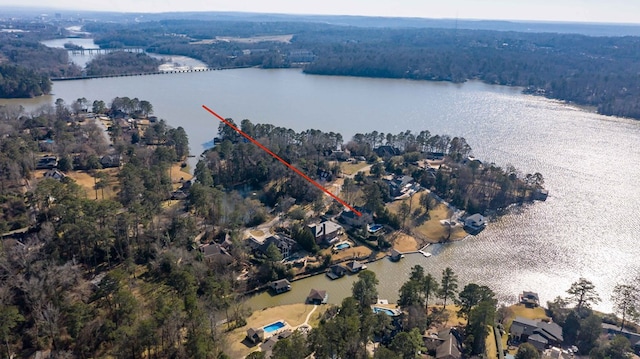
(386, 311)
(342, 245)
(273, 327)
(374, 228)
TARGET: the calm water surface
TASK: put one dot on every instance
(588, 227)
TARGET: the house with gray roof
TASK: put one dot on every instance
(474, 223)
(325, 232)
(280, 286)
(540, 334)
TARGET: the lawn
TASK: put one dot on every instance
(293, 314)
(353, 168)
(432, 230)
(519, 310)
(87, 181)
(404, 243)
(179, 173)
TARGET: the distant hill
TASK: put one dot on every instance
(590, 29)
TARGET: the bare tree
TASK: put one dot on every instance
(625, 301)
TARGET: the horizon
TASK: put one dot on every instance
(617, 12)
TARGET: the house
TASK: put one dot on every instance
(351, 218)
(267, 347)
(522, 328)
(55, 174)
(470, 160)
(474, 223)
(340, 155)
(529, 299)
(325, 232)
(538, 333)
(317, 297)
(387, 151)
(280, 286)
(285, 245)
(336, 271)
(435, 156)
(255, 335)
(215, 252)
(612, 330)
(450, 348)
(540, 194)
(395, 255)
(400, 185)
(111, 161)
(552, 332)
(47, 162)
(354, 266)
(324, 175)
(179, 195)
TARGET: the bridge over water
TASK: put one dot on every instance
(103, 51)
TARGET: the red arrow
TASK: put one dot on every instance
(281, 160)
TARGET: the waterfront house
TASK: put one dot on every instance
(325, 232)
(529, 299)
(354, 266)
(285, 245)
(474, 223)
(280, 286)
(336, 271)
(395, 255)
(317, 297)
(450, 348)
(612, 330)
(540, 194)
(522, 328)
(540, 334)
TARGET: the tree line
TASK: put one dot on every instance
(592, 71)
(114, 276)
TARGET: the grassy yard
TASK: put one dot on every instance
(432, 229)
(519, 310)
(293, 314)
(87, 181)
(353, 168)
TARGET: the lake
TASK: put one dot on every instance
(588, 226)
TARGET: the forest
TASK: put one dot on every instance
(598, 72)
(589, 71)
(121, 62)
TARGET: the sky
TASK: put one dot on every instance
(609, 11)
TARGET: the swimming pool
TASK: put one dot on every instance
(342, 245)
(386, 311)
(374, 228)
(273, 327)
